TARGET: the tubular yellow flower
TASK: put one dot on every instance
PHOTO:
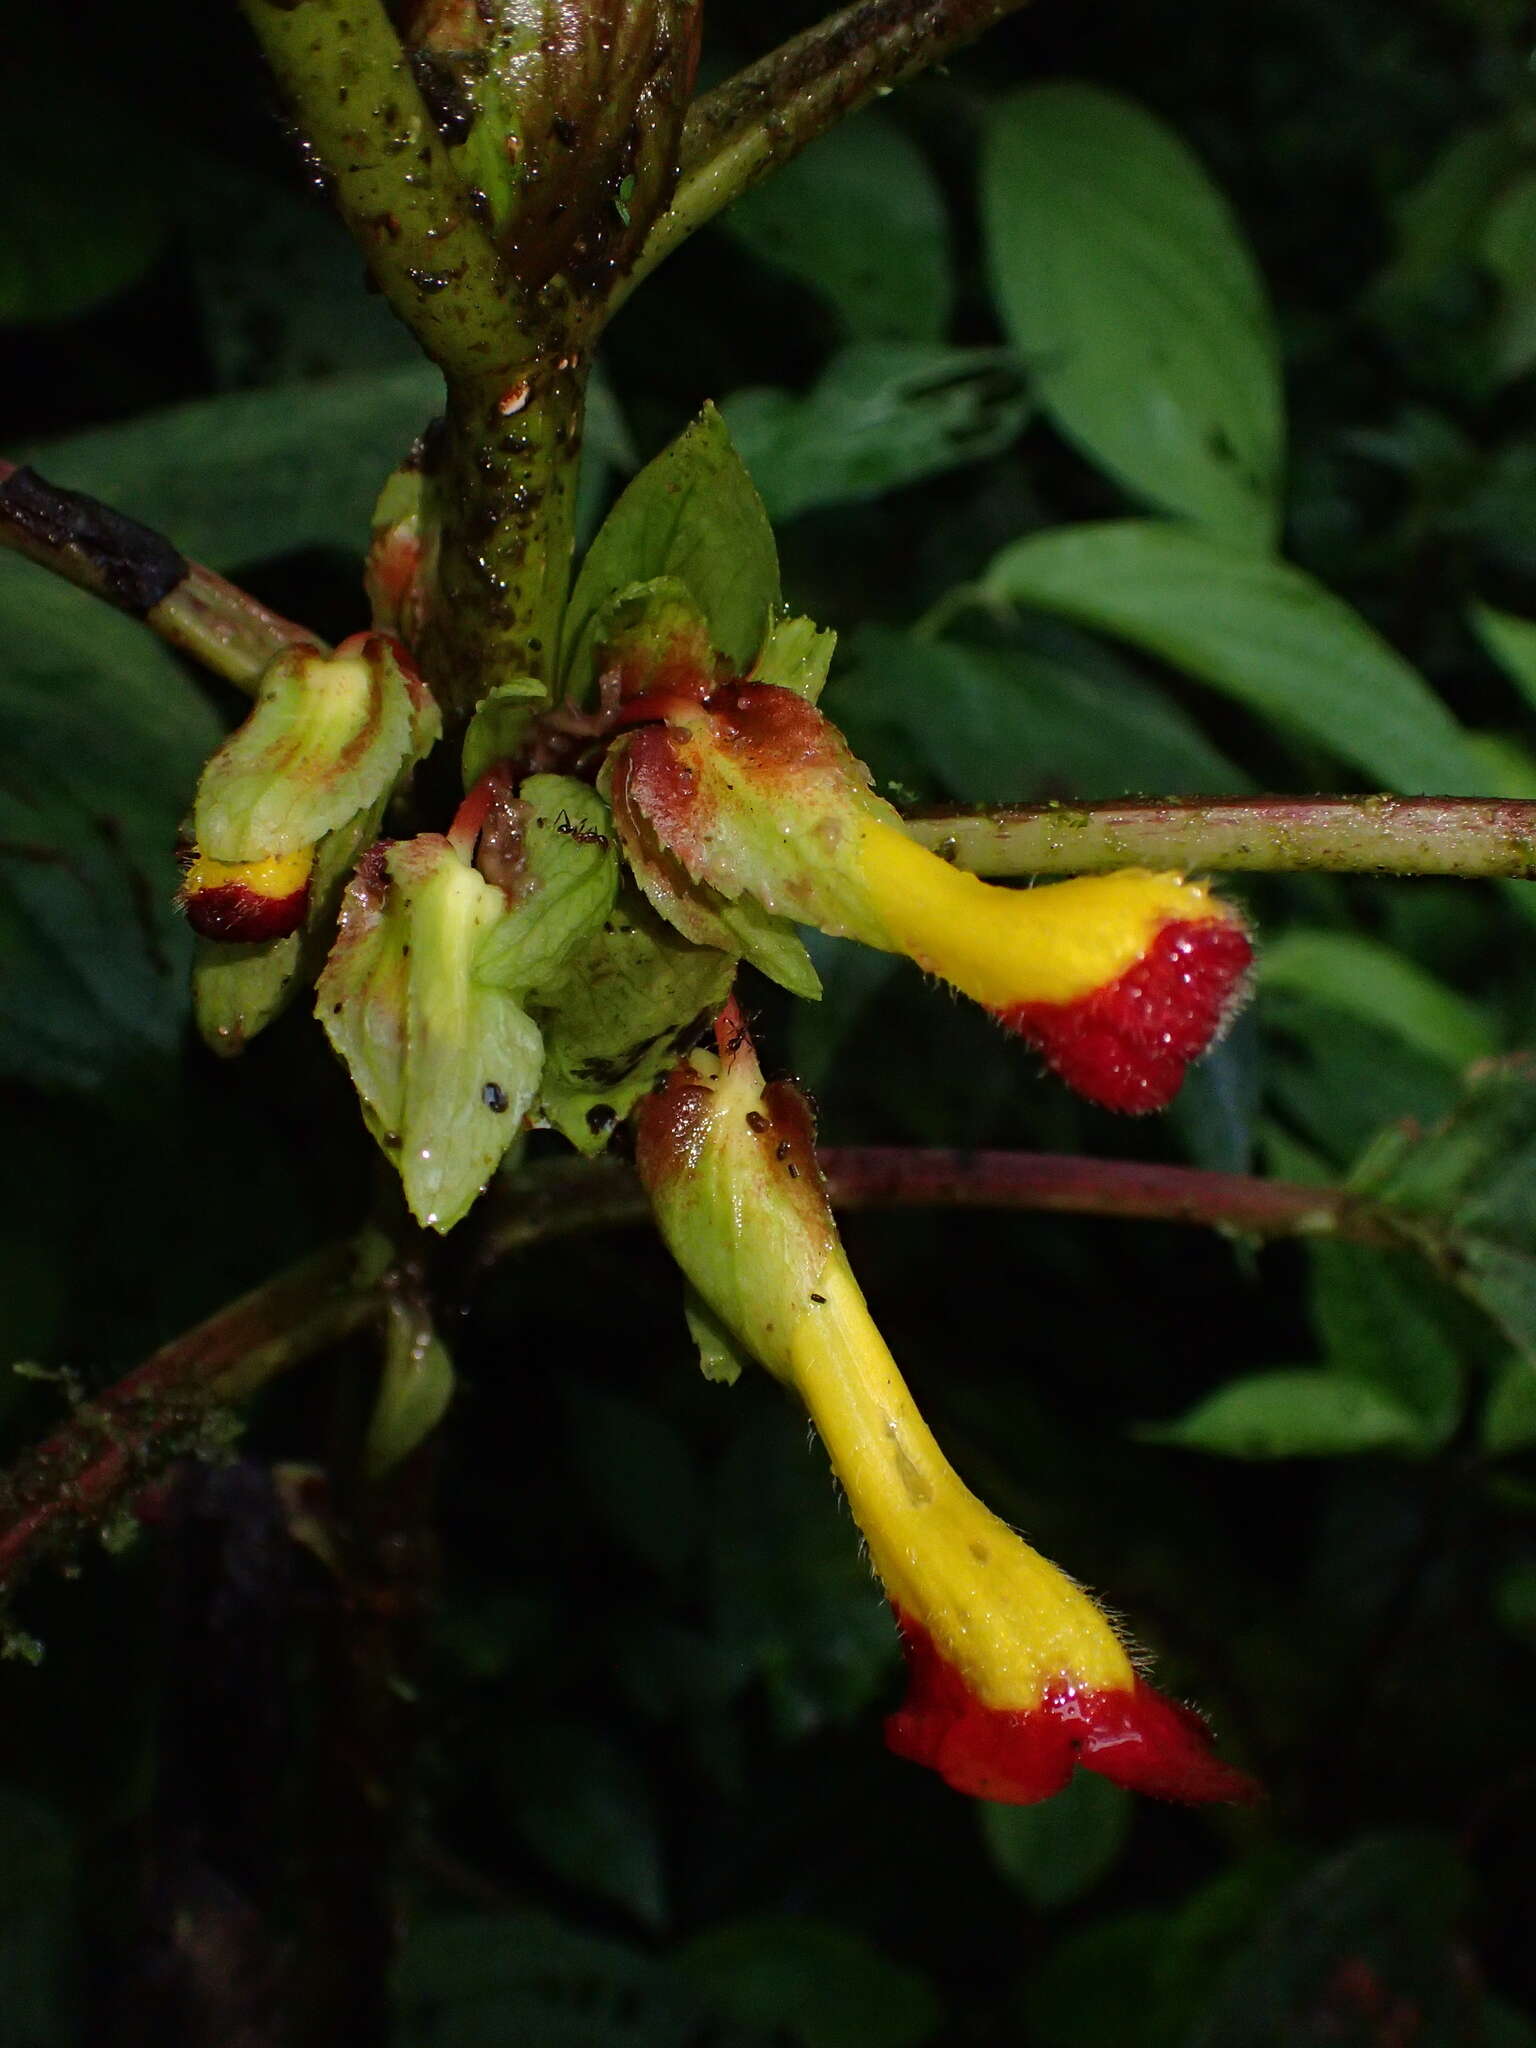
(1015, 1675)
(746, 790)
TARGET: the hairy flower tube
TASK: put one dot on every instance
(1015, 1676)
(325, 743)
(747, 791)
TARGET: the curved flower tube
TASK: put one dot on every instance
(1016, 1676)
(747, 790)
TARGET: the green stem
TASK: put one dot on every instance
(737, 134)
(138, 570)
(351, 91)
(120, 1440)
(1472, 838)
(507, 486)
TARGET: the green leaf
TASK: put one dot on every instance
(445, 1063)
(104, 735)
(85, 214)
(40, 1967)
(1387, 1904)
(1512, 643)
(630, 1001)
(568, 876)
(1466, 1189)
(1380, 986)
(1381, 1320)
(860, 219)
(1508, 248)
(415, 1388)
(1259, 631)
(691, 513)
(590, 1814)
(254, 474)
(810, 1983)
(1297, 1414)
(500, 720)
(794, 1607)
(1440, 217)
(1509, 1415)
(998, 727)
(486, 1980)
(1055, 1853)
(880, 417)
(1125, 283)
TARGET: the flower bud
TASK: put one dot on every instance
(242, 902)
(1016, 1676)
(750, 793)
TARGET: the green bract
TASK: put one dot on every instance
(328, 737)
(445, 1061)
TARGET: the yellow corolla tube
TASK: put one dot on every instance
(1120, 980)
(1016, 1676)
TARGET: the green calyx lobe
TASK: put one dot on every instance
(731, 1172)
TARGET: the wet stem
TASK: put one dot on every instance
(507, 487)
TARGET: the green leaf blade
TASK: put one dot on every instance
(1125, 284)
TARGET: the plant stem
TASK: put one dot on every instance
(362, 120)
(121, 1439)
(737, 134)
(1473, 838)
(562, 1197)
(138, 570)
(507, 486)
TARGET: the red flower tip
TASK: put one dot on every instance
(1135, 1737)
(1126, 1045)
(246, 902)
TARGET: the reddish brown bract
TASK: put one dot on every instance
(1126, 1046)
(1137, 1738)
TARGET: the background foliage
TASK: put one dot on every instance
(1271, 270)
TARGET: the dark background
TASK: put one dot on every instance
(650, 1802)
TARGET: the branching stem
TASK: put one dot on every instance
(142, 573)
(737, 134)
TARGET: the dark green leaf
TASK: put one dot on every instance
(880, 417)
(1056, 1852)
(1509, 1418)
(795, 1607)
(628, 1003)
(859, 218)
(589, 1812)
(1126, 286)
(1259, 631)
(1382, 1323)
(1000, 727)
(104, 736)
(84, 216)
(1300, 1414)
(1467, 1188)
(692, 513)
(1380, 986)
(810, 1983)
(242, 478)
(1512, 643)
